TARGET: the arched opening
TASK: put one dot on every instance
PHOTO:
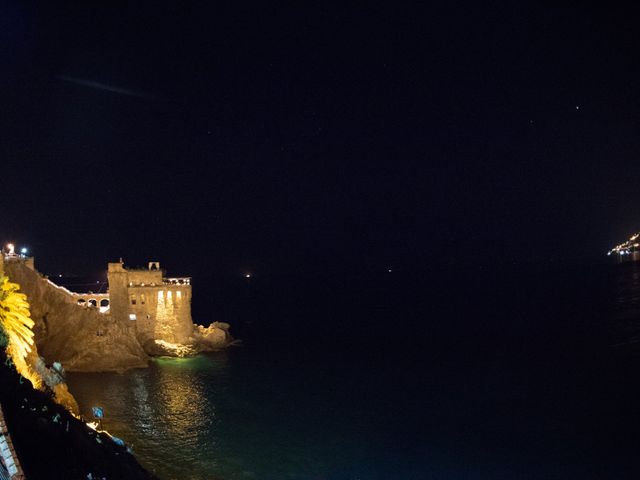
(104, 302)
(92, 302)
(82, 302)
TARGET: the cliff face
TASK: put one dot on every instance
(80, 338)
(51, 443)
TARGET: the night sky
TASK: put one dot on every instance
(239, 137)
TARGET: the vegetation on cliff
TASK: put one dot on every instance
(16, 334)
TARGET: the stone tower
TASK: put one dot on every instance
(160, 307)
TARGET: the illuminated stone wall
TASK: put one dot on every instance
(160, 311)
(81, 338)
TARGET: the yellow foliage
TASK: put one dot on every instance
(17, 326)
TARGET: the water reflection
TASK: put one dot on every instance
(142, 408)
(183, 406)
(164, 411)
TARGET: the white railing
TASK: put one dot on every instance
(177, 281)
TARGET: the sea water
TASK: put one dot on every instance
(456, 373)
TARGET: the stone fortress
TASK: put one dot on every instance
(144, 313)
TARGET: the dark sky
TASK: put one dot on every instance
(233, 136)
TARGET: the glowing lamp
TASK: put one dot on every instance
(23, 250)
(11, 248)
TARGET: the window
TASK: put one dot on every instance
(132, 316)
(133, 300)
(142, 299)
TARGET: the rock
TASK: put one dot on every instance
(161, 348)
(213, 337)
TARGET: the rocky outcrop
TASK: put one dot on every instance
(202, 339)
(80, 338)
(52, 380)
(213, 337)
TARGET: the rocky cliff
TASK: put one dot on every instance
(80, 338)
(51, 443)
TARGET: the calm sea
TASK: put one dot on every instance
(528, 372)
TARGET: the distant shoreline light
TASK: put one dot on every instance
(627, 247)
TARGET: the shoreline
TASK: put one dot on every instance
(45, 434)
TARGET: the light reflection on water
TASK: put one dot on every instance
(212, 418)
(166, 412)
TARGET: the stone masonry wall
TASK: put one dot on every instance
(80, 338)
